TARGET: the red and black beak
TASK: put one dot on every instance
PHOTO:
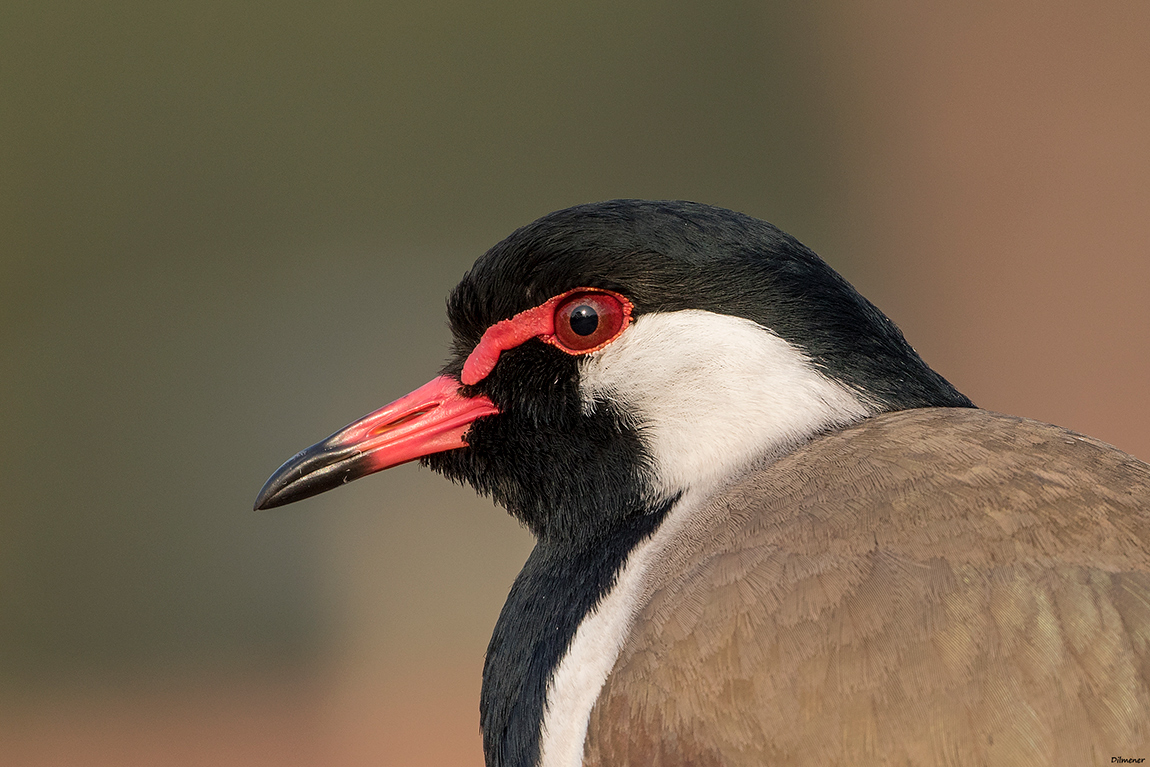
(431, 419)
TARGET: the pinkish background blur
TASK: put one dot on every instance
(227, 230)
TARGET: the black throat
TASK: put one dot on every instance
(552, 594)
(581, 481)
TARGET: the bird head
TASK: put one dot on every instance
(610, 357)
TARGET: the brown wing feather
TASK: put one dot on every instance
(929, 587)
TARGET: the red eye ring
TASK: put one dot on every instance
(586, 320)
(551, 322)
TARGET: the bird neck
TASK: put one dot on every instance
(562, 581)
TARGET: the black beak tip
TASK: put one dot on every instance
(321, 467)
(284, 485)
(271, 494)
(265, 500)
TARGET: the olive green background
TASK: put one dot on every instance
(227, 229)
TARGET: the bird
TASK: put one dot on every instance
(766, 531)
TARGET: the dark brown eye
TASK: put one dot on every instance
(588, 321)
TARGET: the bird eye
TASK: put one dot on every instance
(587, 321)
(584, 320)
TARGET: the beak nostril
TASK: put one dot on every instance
(383, 428)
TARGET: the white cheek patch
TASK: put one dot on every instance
(714, 393)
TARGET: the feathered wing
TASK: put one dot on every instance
(928, 587)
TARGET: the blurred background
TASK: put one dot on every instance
(227, 229)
